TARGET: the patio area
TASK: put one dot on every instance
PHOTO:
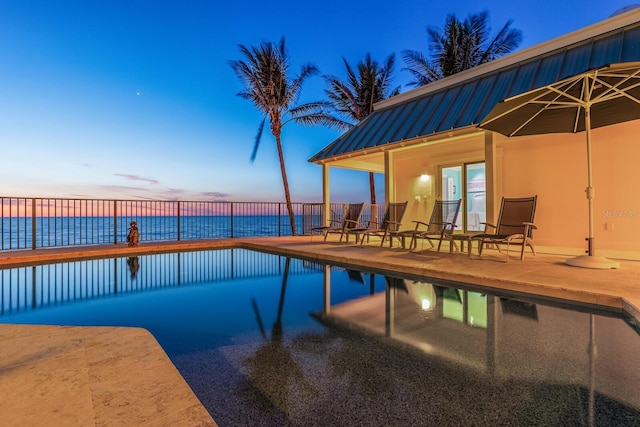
(62, 375)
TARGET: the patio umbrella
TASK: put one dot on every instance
(592, 99)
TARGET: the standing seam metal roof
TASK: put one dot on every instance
(468, 102)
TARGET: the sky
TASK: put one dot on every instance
(136, 99)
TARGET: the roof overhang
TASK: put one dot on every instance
(372, 159)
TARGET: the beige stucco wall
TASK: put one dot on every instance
(555, 168)
(552, 166)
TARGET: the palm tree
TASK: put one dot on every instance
(264, 75)
(460, 46)
(353, 99)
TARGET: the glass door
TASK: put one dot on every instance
(466, 181)
(476, 196)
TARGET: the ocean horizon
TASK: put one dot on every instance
(17, 232)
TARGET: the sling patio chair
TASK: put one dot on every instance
(386, 228)
(515, 226)
(440, 227)
(350, 220)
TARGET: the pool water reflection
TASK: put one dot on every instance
(268, 340)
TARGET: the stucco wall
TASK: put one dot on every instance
(555, 168)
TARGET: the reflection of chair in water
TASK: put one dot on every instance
(356, 276)
(521, 308)
(349, 221)
(397, 283)
(134, 265)
(515, 225)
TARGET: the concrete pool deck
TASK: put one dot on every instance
(52, 375)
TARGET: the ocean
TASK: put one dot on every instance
(21, 233)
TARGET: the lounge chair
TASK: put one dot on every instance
(350, 220)
(390, 223)
(440, 227)
(515, 226)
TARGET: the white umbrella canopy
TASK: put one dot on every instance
(592, 99)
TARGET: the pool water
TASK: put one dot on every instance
(268, 340)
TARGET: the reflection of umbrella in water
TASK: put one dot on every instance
(595, 98)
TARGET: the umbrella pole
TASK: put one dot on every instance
(589, 190)
(590, 260)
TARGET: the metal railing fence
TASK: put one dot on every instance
(32, 223)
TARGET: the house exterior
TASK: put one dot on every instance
(428, 145)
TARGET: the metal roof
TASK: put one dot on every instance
(465, 102)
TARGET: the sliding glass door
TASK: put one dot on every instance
(466, 181)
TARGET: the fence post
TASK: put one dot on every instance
(115, 222)
(33, 224)
(279, 215)
(231, 220)
(178, 220)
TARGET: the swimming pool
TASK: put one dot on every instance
(268, 340)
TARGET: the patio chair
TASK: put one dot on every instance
(515, 226)
(390, 223)
(440, 227)
(350, 220)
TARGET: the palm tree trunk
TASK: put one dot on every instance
(372, 188)
(285, 183)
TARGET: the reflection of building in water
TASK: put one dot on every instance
(504, 338)
(134, 265)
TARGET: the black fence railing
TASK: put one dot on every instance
(32, 223)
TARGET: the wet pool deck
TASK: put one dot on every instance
(51, 375)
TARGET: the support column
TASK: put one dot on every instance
(389, 178)
(491, 177)
(326, 197)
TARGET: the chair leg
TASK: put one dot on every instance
(414, 242)
(384, 235)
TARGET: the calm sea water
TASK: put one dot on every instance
(17, 233)
(267, 340)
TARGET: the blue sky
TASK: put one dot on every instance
(136, 99)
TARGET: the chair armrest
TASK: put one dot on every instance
(528, 226)
(488, 224)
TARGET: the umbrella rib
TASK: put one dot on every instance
(614, 91)
(534, 101)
